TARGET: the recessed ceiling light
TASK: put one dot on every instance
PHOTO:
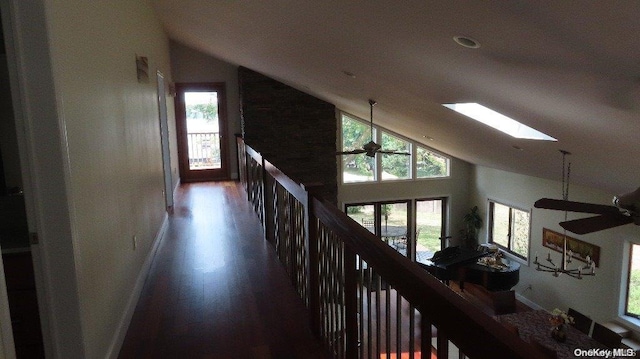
(498, 121)
(466, 42)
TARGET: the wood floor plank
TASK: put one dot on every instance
(215, 288)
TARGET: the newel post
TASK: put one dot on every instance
(312, 251)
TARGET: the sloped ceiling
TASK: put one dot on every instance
(570, 69)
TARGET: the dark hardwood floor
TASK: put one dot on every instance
(216, 289)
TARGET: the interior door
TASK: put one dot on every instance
(201, 118)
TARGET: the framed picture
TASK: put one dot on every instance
(580, 249)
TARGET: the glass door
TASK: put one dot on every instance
(430, 228)
(201, 121)
(394, 219)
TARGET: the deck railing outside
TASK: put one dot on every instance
(365, 299)
(204, 150)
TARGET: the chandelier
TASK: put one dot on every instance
(589, 269)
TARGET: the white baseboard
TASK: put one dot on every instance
(118, 338)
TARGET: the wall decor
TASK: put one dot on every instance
(578, 249)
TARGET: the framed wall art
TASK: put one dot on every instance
(580, 249)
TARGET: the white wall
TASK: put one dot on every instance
(190, 65)
(456, 188)
(94, 161)
(596, 296)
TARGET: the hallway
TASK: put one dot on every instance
(215, 288)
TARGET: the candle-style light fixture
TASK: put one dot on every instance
(589, 269)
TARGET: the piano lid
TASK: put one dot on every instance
(454, 256)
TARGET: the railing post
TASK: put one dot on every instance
(311, 246)
(351, 303)
(267, 201)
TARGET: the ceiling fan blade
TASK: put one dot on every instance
(597, 223)
(562, 205)
(354, 152)
(394, 153)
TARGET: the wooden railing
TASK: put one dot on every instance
(365, 299)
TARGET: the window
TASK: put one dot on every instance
(632, 307)
(430, 164)
(363, 214)
(430, 219)
(395, 166)
(414, 228)
(509, 229)
(358, 168)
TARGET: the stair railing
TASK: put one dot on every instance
(365, 299)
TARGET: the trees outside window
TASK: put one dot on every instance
(361, 168)
(430, 164)
(632, 307)
(509, 229)
(356, 168)
(395, 166)
(415, 228)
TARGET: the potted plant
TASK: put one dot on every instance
(472, 224)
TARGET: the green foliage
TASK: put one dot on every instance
(386, 209)
(634, 293)
(354, 135)
(520, 232)
(430, 164)
(208, 111)
(354, 209)
(396, 165)
(472, 224)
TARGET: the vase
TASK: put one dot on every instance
(558, 333)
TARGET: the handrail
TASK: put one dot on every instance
(345, 274)
(444, 308)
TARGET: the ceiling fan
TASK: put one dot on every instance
(371, 148)
(625, 210)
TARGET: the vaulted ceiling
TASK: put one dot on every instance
(570, 69)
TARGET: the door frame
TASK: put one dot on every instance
(164, 141)
(187, 175)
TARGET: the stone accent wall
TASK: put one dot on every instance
(293, 130)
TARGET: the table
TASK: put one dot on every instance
(535, 325)
(389, 232)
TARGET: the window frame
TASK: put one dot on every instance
(418, 145)
(411, 219)
(627, 293)
(508, 250)
(377, 162)
(379, 159)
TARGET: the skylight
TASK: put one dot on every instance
(498, 121)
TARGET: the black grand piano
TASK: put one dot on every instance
(461, 265)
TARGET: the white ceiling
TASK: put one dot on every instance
(570, 69)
